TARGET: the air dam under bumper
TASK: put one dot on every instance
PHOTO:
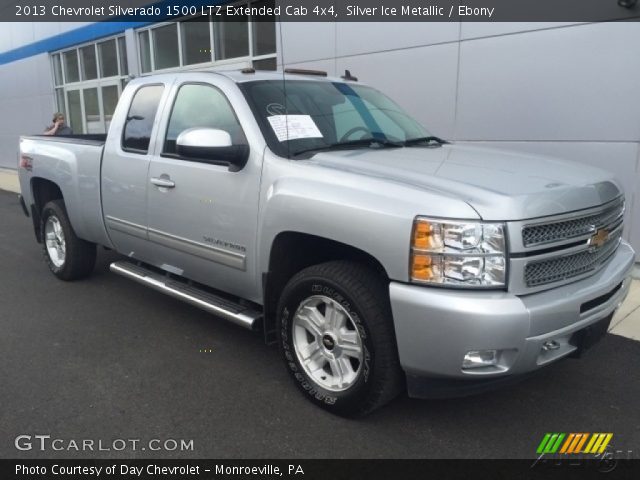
(437, 327)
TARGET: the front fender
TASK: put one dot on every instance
(370, 214)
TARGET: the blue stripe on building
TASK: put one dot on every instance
(94, 31)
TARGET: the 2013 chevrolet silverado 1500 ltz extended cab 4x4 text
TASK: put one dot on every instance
(378, 257)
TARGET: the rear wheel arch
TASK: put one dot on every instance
(43, 191)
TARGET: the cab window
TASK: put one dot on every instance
(136, 134)
(204, 106)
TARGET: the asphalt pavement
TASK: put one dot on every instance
(107, 359)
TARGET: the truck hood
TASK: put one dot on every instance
(498, 184)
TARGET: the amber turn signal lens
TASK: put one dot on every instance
(422, 235)
(421, 267)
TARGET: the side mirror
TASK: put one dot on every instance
(211, 145)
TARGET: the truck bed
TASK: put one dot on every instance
(72, 163)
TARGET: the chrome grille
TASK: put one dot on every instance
(568, 266)
(566, 229)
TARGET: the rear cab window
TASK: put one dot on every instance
(138, 126)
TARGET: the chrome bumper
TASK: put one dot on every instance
(436, 327)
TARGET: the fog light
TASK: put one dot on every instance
(480, 358)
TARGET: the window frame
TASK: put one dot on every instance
(176, 156)
(246, 60)
(133, 96)
(99, 82)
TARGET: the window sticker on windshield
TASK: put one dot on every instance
(292, 127)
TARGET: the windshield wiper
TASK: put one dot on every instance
(428, 140)
(362, 143)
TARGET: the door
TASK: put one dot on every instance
(125, 167)
(201, 215)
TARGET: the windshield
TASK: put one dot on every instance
(325, 115)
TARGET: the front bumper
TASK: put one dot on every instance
(436, 327)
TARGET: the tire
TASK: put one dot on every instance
(345, 359)
(68, 257)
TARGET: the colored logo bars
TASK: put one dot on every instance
(574, 443)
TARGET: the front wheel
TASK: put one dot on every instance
(68, 257)
(337, 339)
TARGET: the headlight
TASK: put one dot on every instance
(455, 253)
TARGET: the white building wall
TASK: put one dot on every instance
(26, 86)
(567, 90)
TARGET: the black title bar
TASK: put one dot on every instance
(545, 468)
(322, 10)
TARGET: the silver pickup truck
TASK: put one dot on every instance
(379, 257)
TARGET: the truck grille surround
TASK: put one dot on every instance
(541, 234)
(569, 266)
(567, 248)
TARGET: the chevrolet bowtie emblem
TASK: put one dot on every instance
(600, 238)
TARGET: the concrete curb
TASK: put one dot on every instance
(9, 180)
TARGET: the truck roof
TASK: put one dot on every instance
(241, 76)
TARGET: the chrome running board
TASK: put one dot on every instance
(222, 307)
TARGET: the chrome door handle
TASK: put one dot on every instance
(163, 182)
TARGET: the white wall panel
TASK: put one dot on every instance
(21, 33)
(304, 41)
(619, 158)
(362, 37)
(563, 84)
(489, 29)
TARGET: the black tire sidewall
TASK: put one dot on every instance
(338, 402)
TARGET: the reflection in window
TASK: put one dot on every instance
(108, 58)
(75, 111)
(71, 71)
(122, 50)
(265, 64)
(231, 38)
(264, 32)
(165, 47)
(145, 51)
(139, 122)
(60, 101)
(109, 102)
(89, 65)
(57, 70)
(196, 41)
(201, 106)
(92, 111)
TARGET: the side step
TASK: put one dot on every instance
(222, 307)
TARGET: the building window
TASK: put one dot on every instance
(71, 70)
(206, 41)
(165, 47)
(232, 38)
(108, 58)
(196, 45)
(89, 63)
(88, 80)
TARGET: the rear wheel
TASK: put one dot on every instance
(68, 257)
(337, 339)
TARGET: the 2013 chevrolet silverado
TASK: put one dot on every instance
(313, 209)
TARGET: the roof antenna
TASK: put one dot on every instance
(284, 89)
(347, 76)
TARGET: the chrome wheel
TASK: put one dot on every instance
(327, 343)
(55, 242)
